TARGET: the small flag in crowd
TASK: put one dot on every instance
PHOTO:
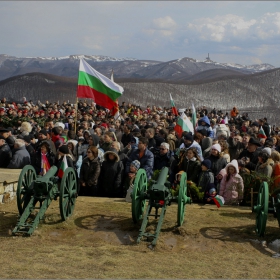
(193, 116)
(174, 110)
(183, 124)
(62, 167)
(45, 166)
(219, 201)
(261, 133)
(94, 85)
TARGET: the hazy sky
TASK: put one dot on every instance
(245, 32)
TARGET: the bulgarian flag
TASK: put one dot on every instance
(94, 85)
(174, 110)
(219, 201)
(62, 167)
(261, 133)
(193, 116)
(183, 124)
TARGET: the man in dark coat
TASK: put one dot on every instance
(144, 156)
(5, 153)
(250, 155)
(126, 137)
(164, 158)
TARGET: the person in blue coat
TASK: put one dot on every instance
(144, 156)
(204, 123)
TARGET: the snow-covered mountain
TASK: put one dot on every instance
(182, 69)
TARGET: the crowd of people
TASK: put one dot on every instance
(107, 152)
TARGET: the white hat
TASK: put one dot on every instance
(217, 147)
(267, 150)
(59, 124)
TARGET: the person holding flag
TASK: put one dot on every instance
(44, 158)
(64, 161)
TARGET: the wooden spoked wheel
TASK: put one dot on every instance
(138, 195)
(182, 199)
(68, 193)
(24, 189)
(261, 209)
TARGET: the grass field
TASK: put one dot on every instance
(99, 241)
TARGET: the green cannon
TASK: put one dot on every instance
(35, 193)
(159, 196)
(262, 207)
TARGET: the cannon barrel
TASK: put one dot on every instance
(51, 172)
(158, 190)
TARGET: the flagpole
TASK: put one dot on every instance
(76, 115)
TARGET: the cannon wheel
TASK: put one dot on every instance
(261, 209)
(139, 189)
(24, 192)
(181, 199)
(68, 193)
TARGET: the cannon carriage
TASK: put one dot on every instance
(262, 207)
(158, 196)
(35, 193)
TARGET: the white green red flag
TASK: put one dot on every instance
(62, 167)
(219, 200)
(94, 85)
(193, 116)
(261, 133)
(174, 110)
(45, 166)
(183, 124)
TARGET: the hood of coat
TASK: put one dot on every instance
(204, 119)
(112, 151)
(233, 163)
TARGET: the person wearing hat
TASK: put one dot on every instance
(205, 178)
(232, 187)
(217, 162)
(250, 155)
(129, 179)
(111, 175)
(189, 142)
(63, 151)
(204, 123)
(90, 172)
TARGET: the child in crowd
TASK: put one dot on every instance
(206, 176)
(210, 193)
(176, 185)
(219, 178)
(129, 180)
(232, 187)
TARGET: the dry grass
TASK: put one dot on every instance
(98, 241)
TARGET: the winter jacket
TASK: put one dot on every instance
(252, 156)
(146, 161)
(204, 179)
(232, 190)
(218, 163)
(276, 175)
(234, 148)
(20, 158)
(222, 129)
(206, 145)
(126, 139)
(265, 168)
(5, 155)
(110, 182)
(90, 171)
(192, 168)
(207, 126)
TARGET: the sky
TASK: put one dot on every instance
(244, 32)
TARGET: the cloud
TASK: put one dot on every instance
(164, 23)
